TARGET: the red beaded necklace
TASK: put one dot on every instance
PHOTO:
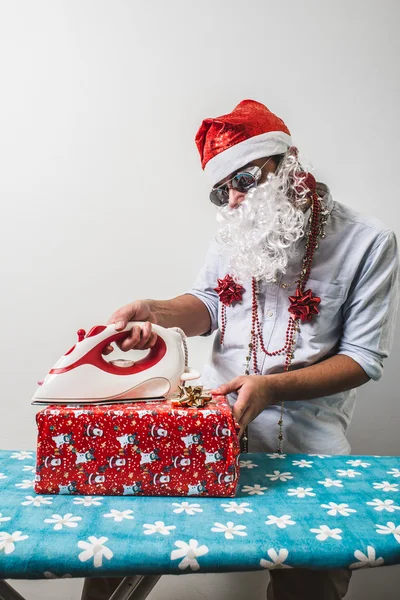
(303, 306)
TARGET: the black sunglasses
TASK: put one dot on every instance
(242, 182)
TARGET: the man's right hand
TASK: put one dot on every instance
(141, 337)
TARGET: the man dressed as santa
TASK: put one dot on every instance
(302, 293)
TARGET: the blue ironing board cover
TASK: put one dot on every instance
(306, 511)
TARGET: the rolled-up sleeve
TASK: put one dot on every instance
(370, 309)
(206, 281)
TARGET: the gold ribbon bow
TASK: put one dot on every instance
(192, 396)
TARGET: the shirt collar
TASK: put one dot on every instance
(324, 193)
(326, 198)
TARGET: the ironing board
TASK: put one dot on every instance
(305, 511)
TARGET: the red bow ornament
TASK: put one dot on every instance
(228, 290)
(303, 305)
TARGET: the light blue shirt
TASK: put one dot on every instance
(355, 272)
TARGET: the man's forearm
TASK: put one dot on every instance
(186, 311)
(331, 376)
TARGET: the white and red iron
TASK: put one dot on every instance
(84, 376)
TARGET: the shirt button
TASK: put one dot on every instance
(269, 313)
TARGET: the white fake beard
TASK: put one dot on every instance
(260, 236)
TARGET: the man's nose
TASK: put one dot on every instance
(235, 198)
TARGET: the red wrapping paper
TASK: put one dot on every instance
(143, 448)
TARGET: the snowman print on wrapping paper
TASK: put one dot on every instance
(128, 439)
(142, 413)
(206, 413)
(62, 438)
(68, 488)
(213, 457)
(189, 440)
(82, 411)
(84, 457)
(51, 412)
(131, 490)
(197, 488)
(149, 457)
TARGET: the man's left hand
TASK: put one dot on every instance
(254, 395)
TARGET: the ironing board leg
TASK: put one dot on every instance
(137, 587)
(8, 593)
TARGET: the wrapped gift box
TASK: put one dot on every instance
(143, 448)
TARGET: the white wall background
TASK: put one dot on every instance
(102, 197)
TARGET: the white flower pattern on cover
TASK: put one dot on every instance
(366, 560)
(158, 527)
(239, 509)
(277, 559)
(89, 500)
(22, 455)
(303, 463)
(301, 492)
(386, 486)
(7, 540)
(278, 475)
(328, 482)
(187, 507)
(95, 548)
(384, 505)
(190, 552)
(324, 533)
(338, 509)
(247, 464)
(281, 522)
(3, 476)
(321, 455)
(347, 473)
(26, 483)
(67, 520)
(389, 528)
(275, 455)
(358, 463)
(255, 489)
(37, 500)
(119, 515)
(2, 518)
(229, 530)
(335, 498)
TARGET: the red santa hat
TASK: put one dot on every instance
(231, 141)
